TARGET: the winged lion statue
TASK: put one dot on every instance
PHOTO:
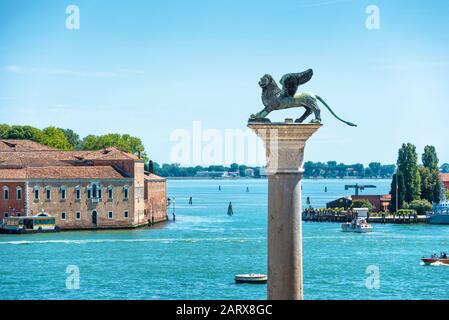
(274, 98)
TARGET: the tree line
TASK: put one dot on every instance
(176, 170)
(418, 185)
(312, 170)
(67, 139)
(331, 169)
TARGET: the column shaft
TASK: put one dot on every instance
(284, 237)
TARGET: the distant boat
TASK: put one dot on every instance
(251, 278)
(440, 214)
(359, 225)
(230, 211)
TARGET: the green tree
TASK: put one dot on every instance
(420, 206)
(362, 204)
(444, 168)
(124, 142)
(430, 158)
(4, 129)
(408, 167)
(20, 132)
(54, 137)
(430, 182)
(375, 168)
(242, 169)
(234, 167)
(72, 137)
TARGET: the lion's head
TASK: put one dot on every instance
(265, 80)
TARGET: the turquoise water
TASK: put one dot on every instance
(197, 256)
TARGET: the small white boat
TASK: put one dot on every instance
(251, 278)
(359, 225)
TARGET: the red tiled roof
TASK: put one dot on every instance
(13, 174)
(62, 172)
(152, 177)
(21, 145)
(58, 157)
(444, 177)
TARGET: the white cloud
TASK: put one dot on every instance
(63, 72)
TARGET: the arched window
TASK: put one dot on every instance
(94, 191)
(5, 193)
(19, 193)
(63, 192)
(126, 192)
(36, 192)
(77, 193)
(47, 193)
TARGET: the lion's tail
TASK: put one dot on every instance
(329, 108)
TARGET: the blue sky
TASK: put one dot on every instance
(150, 67)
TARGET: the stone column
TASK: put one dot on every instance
(284, 147)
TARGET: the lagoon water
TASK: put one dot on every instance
(197, 256)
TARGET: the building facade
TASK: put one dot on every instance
(81, 189)
(444, 179)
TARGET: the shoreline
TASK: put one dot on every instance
(265, 178)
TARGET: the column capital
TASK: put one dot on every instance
(284, 144)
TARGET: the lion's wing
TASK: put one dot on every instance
(291, 81)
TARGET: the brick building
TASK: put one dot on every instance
(444, 178)
(380, 202)
(82, 189)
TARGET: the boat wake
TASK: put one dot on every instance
(438, 263)
(160, 240)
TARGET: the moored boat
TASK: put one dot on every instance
(440, 213)
(42, 222)
(251, 278)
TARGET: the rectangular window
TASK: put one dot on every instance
(62, 215)
(19, 194)
(110, 193)
(63, 194)
(125, 214)
(6, 214)
(110, 215)
(48, 194)
(78, 216)
(36, 194)
(5, 194)
(99, 193)
(77, 194)
(126, 193)
(89, 193)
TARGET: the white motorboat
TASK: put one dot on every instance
(359, 225)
